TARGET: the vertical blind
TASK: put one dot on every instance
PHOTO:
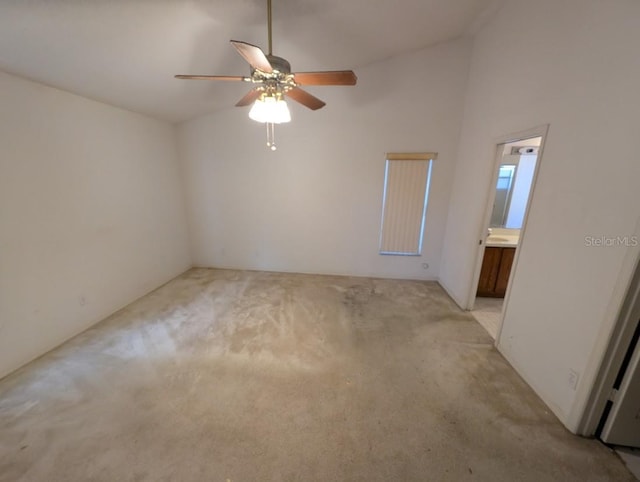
(406, 191)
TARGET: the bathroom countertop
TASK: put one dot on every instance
(502, 241)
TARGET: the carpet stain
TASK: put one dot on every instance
(235, 375)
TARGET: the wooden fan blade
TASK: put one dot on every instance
(249, 98)
(336, 77)
(305, 98)
(254, 55)
(212, 77)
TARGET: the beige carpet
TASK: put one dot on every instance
(248, 376)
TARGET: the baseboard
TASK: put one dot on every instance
(91, 323)
(320, 273)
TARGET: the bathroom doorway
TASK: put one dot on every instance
(514, 175)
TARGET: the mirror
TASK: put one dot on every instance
(515, 177)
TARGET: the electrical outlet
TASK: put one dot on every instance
(572, 379)
(425, 265)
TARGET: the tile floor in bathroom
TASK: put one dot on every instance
(487, 312)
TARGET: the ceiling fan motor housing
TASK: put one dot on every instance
(278, 81)
(279, 64)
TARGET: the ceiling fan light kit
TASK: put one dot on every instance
(270, 109)
(274, 81)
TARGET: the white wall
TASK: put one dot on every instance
(314, 205)
(581, 76)
(521, 189)
(91, 214)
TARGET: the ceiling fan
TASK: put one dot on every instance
(273, 81)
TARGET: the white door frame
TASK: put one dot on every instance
(539, 131)
(613, 357)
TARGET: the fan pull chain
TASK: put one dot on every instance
(271, 135)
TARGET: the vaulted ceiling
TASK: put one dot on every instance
(125, 52)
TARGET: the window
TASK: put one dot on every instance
(406, 190)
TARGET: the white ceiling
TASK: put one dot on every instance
(125, 52)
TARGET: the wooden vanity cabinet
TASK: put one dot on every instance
(496, 267)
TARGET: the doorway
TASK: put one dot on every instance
(612, 412)
(511, 190)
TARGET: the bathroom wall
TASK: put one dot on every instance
(521, 189)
